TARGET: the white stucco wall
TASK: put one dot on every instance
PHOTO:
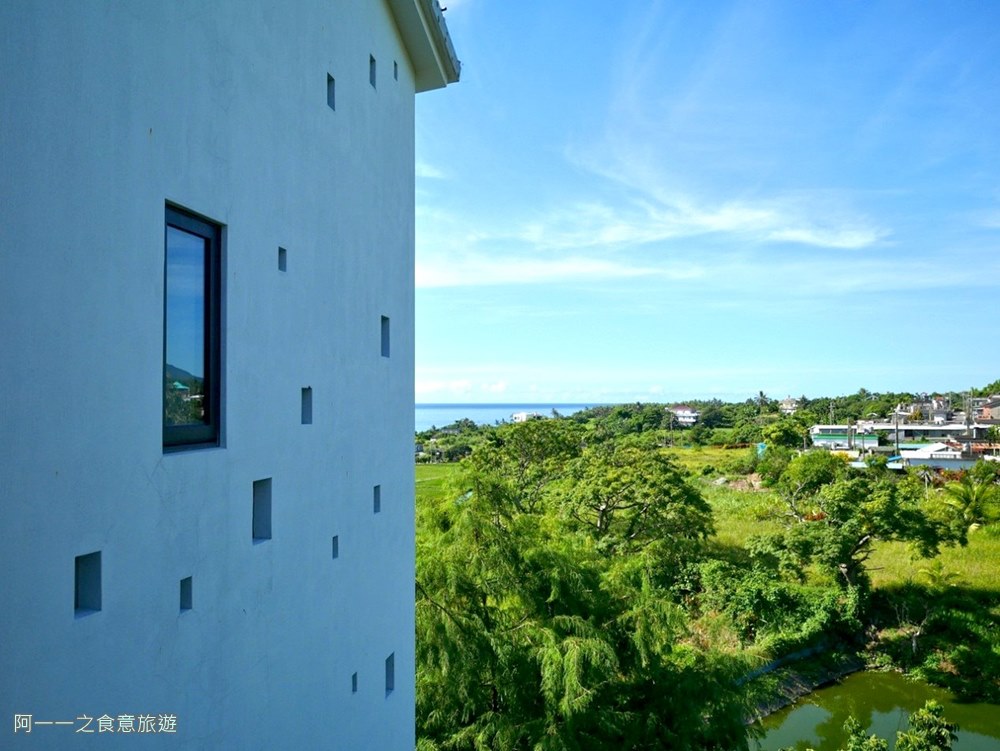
(110, 109)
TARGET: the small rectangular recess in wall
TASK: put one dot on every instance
(390, 673)
(395, 70)
(186, 586)
(331, 92)
(87, 589)
(354, 683)
(282, 259)
(385, 336)
(262, 509)
(307, 405)
(335, 546)
(377, 499)
(371, 70)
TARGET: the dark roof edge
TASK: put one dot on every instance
(442, 40)
(428, 44)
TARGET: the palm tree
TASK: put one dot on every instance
(970, 500)
(937, 579)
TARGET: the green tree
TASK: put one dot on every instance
(859, 740)
(713, 417)
(626, 498)
(835, 519)
(787, 432)
(972, 500)
(805, 475)
(699, 435)
(542, 618)
(928, 731)
(773, 463)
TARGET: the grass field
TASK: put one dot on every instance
(975, 567)
(432, 479)
(740, 514)
(696, 458)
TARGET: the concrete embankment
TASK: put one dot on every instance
(797, 675)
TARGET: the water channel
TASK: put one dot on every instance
(883, 702)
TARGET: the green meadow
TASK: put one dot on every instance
(740, 513)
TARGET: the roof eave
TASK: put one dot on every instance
(425, 35)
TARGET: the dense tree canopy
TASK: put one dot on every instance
(835, 517)
(543, 614)
(572, 592)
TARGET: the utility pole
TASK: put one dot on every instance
(895, 415)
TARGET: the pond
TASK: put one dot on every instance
(883, 702)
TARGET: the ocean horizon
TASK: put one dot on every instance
(440, 414)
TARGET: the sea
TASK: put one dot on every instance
(438, 415)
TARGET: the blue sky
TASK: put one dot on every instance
(186, 301)
(658, 201)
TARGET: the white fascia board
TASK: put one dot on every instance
(425, 35)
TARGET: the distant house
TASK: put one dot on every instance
(789, 406)
(526, 416)
(843, 436)
(935, 410)
(942, 455)
(686, 416)
(990, 410)
(864, 434)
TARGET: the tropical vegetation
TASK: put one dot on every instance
(582, 583)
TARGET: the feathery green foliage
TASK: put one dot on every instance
(544, 614)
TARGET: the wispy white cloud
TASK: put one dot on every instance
(429, 171)
(497, 387)
(641, 208)
(482, 269)
(452, 386)
(846, 238)
(693, 145)
(989, 219)
(821, 278)
(615, 383)
(649, 220)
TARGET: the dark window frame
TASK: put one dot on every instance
(209, 434)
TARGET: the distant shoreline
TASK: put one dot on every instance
(441, 414)
(498, 405)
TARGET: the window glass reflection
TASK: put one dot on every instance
(184, 370)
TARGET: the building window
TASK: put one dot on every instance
(261, 521)
(307, 405)
(192, 332)
(87, 590)
(390, 673)
(186, 587)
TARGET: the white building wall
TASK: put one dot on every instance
(109, 110)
